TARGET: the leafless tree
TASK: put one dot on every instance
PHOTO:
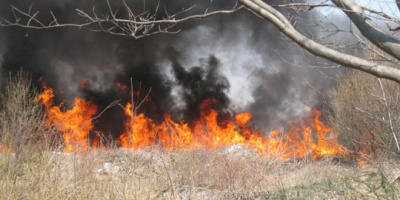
(138, 25)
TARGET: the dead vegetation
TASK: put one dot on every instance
(228, 173)
(373, 106)
(21, 118)
(32, 166)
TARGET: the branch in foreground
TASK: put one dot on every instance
(264, 10)
(368, 29)
(309, 5)
(33, 22)
(135, 25)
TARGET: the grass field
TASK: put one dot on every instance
(33, 166)
(229, 173)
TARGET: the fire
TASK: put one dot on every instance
(306, 137)
(312, 138)
(96, 144)
(121, 86)
(367, 151)
(84, 84)
(4, 149)
(75, 124)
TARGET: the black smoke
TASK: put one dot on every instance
(234, 59)
(198, 84)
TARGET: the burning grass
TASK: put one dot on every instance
(305, 137)
(210, 160)
(75, 124)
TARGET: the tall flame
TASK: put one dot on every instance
(311, 138)
(75, 124)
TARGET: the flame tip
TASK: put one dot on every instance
(311, 138)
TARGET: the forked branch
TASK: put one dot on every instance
(133, 25)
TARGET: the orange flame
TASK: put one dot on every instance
(4, 149)
(122, 87)
(84, 84)
(75, 124)
(367, 151)
(312, 138)
(306, 137)
(96, 144)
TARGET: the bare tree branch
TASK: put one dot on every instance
(136, 26)
(366, 26)
(147, 23)
(310, 6)
(33, 18)
(275, 17)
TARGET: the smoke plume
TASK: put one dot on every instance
(235, 59)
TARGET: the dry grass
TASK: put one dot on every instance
(37, 169)
(229, 173)
(22, 127)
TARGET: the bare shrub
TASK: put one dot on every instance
(365, 111)
(21, 119)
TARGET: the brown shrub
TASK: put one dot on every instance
(365, 111)
(21, 119)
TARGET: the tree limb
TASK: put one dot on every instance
(146, 24)
(367, 27)
(275, 17)
(136, 26)
(310, 6)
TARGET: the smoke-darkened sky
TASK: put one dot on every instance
(235, 59)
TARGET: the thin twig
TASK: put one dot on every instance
(389, 116)
(168, 176)
(116, 102)
(147, 95)
(138, 26)
(133, 103)
(310, 6)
